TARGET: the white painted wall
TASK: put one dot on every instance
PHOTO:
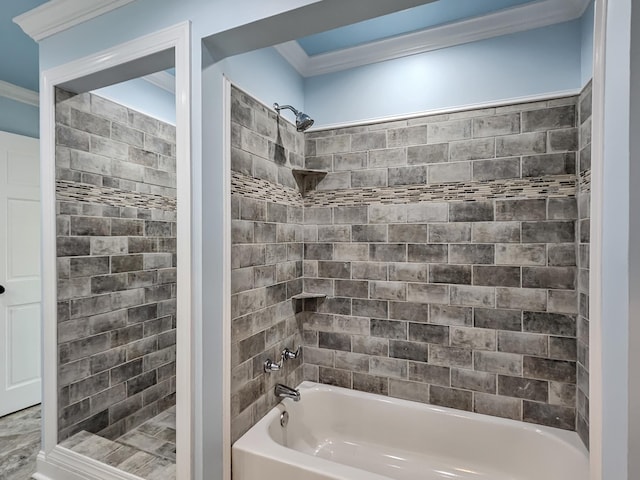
(523, 64)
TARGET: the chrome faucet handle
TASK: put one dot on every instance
(289, 355)
(271, 366)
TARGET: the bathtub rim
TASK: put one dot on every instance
(276, 451)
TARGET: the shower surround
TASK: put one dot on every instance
(116, 245)
(446, 248)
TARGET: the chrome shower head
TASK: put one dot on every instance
(303, 121)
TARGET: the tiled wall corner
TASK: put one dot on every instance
(467, 298)
(267, 248)
(584, 224)
(116, 245)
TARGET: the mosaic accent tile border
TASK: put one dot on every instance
(113, 197)
(259, 189)
(585, 181)
(539, 187)
(535, 187)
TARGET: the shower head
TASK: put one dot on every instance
(303, 121)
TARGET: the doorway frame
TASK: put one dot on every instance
(54, 461)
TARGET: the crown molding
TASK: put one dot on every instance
(512, 20)
(58, 15)
(19, 94)
(163, 80)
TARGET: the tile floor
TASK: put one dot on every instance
(19, 444)
(148, 451)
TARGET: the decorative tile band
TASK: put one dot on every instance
(534, 187)
(113, 197)
(555, 186)
(259, 189)
(585, 181)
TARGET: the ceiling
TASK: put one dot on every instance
(400, 23)
(424, 27)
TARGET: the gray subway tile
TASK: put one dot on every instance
(530, 209)
(550, 415)
(422, 154)
(522, 144)
(550, 164)
(477, 211)
(549, 118)
(387, 157)
(450, 397)
(496, 125)
(548, 369)
(498, 168)
(498, 319)
(427, 333)
(525, 388)
(496, 276)
(415, 175)
(408, 350)
(431, 374)
(522, 343)
(392, 329)
(498, 362)
(449, 172)
(450, 315)
(475, 149)
(471, 380)
(471, 254)
(457, 274)
(549, 277)
(497, 406)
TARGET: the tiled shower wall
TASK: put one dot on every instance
(584, 201)
(116, 245)
(446, 248)
(266, 256)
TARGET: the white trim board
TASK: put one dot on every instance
(58, 15)
(512, 20)
(459, 108)
(55, 462)
(19, 94)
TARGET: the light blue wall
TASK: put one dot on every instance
(144, 97)
(19, 118)
(265, 75)
(536, 62)
(586, 39)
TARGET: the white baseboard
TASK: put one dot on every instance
(64, 464)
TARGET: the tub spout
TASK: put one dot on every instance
(282, 391)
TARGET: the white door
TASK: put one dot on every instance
(19, 272)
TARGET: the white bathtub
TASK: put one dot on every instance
(343, 434)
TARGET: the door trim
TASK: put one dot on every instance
(53, 457)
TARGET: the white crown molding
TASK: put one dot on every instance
(58, 15)
(19, 94)
(504, 22)
(163, 80)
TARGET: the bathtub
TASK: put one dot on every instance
(336, 433)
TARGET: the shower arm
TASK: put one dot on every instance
(282, 107)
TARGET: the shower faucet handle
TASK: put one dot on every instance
(289, 355)
(271, 366)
